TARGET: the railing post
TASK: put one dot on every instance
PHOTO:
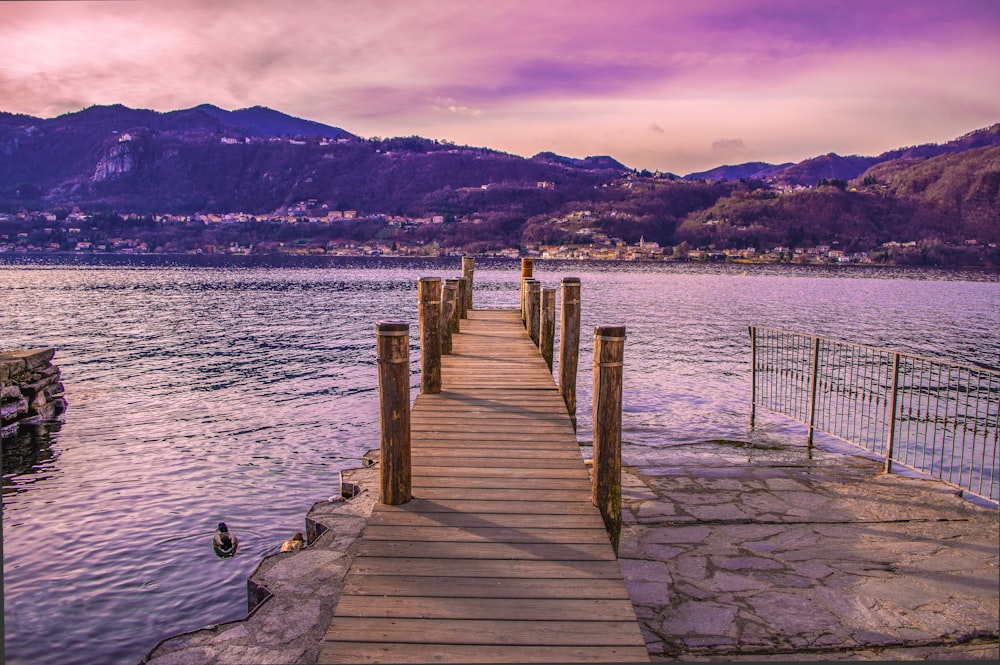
(609, 353)
(753, 376)
(527, 268)
(393, 356)
(893, 400)
(548, 325)
(429, 297)
(813, 373)
(569, 343)
(534, 299)
(449, 300)
(468, 270)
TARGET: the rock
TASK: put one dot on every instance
(10, 393)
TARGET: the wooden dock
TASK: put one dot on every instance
(500, 556)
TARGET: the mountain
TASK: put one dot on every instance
(756, 170)
(833, 166)
(260, 161)
(265, 122)
(256, 160)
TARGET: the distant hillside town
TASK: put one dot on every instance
(205, 180)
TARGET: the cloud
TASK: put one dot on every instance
(728, 145)
(451, 106)
(578, 78)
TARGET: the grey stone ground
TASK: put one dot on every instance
(776, 554)
(759, 554)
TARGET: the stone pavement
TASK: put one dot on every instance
(737, 552)
(730, 553)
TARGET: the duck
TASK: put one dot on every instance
(294, 544)
(224, 543)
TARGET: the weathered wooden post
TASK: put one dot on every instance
(609, 352)
(463, 290)
(569, 343)
(429, 297)
(449, 298)
(527, 268)
(548, 326)
(468, 270)
(393, 356)
(534, 299)
(453, 323)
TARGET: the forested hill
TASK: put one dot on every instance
(260, 161)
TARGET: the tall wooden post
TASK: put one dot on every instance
(449, 298)
(527, 268)
(569, 343)
(453, 323)
(393, 355)
(429, 297)
(548, 327)
(463, 291)
(609, 352)
(468, 270)
(534, 299)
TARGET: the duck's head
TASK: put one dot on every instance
(223, 528)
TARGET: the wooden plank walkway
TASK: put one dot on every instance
(500, 556)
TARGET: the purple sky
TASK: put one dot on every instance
(658, 84)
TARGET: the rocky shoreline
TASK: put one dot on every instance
(31, 390)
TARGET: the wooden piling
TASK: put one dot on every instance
(429, 312)
(393, 356)
(449, 298)
(569, 343)
(468, 270)
(534, 306)
(548, 325)
(463, 290)
(609, 352)
(527, 268)
(453, 323)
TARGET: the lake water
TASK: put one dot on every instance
(234, 390)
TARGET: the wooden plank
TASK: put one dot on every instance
(456, 551)
(481, 534)
(507, 520)
(503, 507)
(511, 472)
(487, 608)
(458, 631)
(381, 586)
(568, 571)
(488, 482)
(390, 652)
(513, 496)
(466, 462)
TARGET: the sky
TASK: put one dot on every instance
(677, 86)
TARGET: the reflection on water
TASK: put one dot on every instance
(235, 390)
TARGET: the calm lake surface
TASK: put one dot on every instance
(234, 390)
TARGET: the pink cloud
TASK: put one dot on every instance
(528, 76)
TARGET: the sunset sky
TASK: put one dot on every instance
(657, 84)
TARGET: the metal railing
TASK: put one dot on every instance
(939, 418)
